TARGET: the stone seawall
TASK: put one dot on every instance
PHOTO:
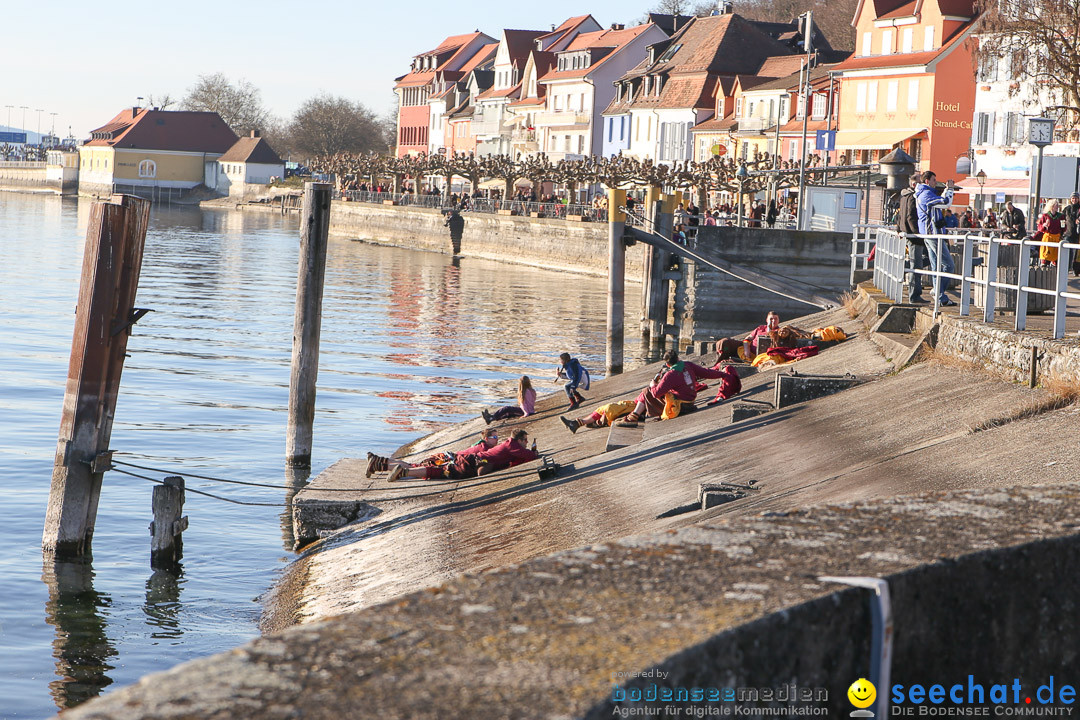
(712, 302)
(577, 247)
(28, 179)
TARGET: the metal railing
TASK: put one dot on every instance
(890, 267)
(481, 205)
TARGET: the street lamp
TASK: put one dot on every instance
(741, 174)
(981, 177)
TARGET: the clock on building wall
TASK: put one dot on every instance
(1040, 131)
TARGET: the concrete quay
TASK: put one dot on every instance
(512, 596)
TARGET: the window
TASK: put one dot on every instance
(867, 42)
(648, 129)
(908, 43)
(887, 42)
(892, 94)
(820, 106)
(913, 95)
(928, 38)
(987, 68)
(871, 96)
(800, 108)
(670, 52)
(622, 127)
(637, 130)
(582, 100)
(738, 107)
(646, 84)
(916, 150)
(610, 128)
(860, 97)
(984, 128)
(1013, 133)
(567, 143)
(581, 144)
(558, 103)
(659, 82)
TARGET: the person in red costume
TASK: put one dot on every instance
(679, 379)
(381, 463)
(506, 454)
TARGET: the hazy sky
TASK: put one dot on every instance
(86, 61)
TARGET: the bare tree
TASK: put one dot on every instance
(326, 125)
(161, 102)
(389, 126)
(832, 18)
(239, 105)
(1038, 37)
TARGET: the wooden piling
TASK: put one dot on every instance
(112, 261)
(616, 300)
(307, 322)
(166, 531)
(656, 265)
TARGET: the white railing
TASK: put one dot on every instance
(890, 266)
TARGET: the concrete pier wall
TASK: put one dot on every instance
(715, 301)
(34, 176)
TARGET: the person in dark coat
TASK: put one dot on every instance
(1072, 229)
(907, 222)
(456, 223)
(1013, 221)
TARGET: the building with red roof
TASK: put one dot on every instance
(430, 75)
(248, 167)
(145, 150)
(910, 83)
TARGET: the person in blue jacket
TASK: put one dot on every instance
(576, 376)
(929, 205)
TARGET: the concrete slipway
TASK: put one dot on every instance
(696, 594)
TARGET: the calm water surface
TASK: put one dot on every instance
(410, 341)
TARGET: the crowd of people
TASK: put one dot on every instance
(923, 209)
(673, 391)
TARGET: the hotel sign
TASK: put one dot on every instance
(947, 107)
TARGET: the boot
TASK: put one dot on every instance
(571, 425)
(375, 463)
(486, 415)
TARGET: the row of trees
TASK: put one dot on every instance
(717, 174)
(323, 125)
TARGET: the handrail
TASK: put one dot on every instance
(890, 268)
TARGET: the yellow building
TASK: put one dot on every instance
(910, 83)
(144, 151)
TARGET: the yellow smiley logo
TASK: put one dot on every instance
(862, 693)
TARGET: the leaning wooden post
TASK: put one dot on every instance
(112, 261)
(307, 323)
(616, 299)
(166, 539)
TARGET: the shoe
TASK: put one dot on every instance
(630, 420)
(396, 473)
(486, 415)
(917, 299)
(574, 403)
(371, 460)
(571, 425)
(947, 303)
(579, 396)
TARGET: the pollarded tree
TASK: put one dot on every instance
(239, 105)
(1040, 41)
(326, 125)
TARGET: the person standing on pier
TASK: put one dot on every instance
(928, 204)
(576, 376)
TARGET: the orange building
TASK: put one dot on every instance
(910, 83)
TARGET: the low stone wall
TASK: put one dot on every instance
(577, 247)
(1006, 352)
(27, 178)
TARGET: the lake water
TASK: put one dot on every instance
(410, 341)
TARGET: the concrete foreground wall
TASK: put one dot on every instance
(982, 584)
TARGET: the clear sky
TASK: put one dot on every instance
(86, 61)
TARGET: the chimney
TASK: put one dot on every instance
(254, 133)
(617, 26)
(725, 7)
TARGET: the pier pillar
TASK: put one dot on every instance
(656, 265)
(307, 322)
(616, 298)
(112, 261)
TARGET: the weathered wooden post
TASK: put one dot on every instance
(307, 322)
(166, 538)
(112, 260)
(656, 295)
(616, 299)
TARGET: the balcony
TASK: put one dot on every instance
(523, 136)
(487, 127)
(560, 118)
(755, 124)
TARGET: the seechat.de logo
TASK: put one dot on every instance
(862, 694)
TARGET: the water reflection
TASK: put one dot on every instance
(162, 606)
(81, 647)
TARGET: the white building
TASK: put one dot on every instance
(248, 166)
